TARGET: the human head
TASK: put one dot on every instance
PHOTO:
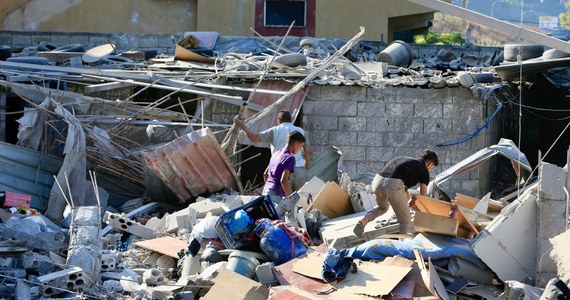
(284, 117)
(295, 141)
(430, 158)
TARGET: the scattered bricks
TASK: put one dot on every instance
(203, 206)
(7, 262)
(165, 262)
(264, 273)
(361, 196)
(110, 260)
(122, 223)
(15, 273)
(182, 219)
(113, 286)
(152, 276)
(28, 261)
(152, 259)
(68, 279)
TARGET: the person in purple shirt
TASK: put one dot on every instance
(281, 165)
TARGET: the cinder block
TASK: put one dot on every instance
(123, 223)
(544, 263)
(399, 110)
(552, 182)
(428, 110)
(203, 206)
(550, 214)
(352, 123)
(264, 273)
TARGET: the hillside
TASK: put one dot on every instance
(480, 35)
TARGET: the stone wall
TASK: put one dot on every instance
(371, 126)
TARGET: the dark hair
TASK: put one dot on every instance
(295, 136)
(284, 116)
(429, 155)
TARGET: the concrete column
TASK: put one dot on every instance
(551, 218)
(84, 242)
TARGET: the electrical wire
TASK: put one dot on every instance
(497, 110)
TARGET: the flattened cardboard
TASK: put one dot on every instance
(430, 277)
(182, 53)
(332, 201)
(371, 279)
(164, 245)
(471, 202)
(231, 285)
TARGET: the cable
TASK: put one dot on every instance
(499, 106)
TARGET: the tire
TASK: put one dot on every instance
(5, 52)
(528, 51)
(291, 59)
(46, 46)
(70, 48)
(554, 54)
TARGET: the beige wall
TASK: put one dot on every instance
(334, 18)
(137, 16)
(332, 21)
(228, 17)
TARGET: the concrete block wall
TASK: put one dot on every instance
(373, 125)
(551, 218)
(163, 43)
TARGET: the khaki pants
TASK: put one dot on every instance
(391, 191)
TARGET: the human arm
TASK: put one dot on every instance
(253, 136)
(285, 182)
(266, 174)
(308, 155)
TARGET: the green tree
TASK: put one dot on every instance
(565, 17)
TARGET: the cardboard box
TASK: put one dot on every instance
(437, 208)
(9, 199)
(425, 222)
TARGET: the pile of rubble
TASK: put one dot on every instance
(170, 218)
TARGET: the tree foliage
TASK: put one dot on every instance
(565, 17)
(453, 38)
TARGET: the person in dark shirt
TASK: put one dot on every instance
(391, 188)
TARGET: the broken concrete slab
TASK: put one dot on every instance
(561, 255)
(309, 191)
(508, 243)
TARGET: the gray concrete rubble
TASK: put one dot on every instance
(175, 210)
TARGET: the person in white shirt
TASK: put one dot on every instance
(276, 136)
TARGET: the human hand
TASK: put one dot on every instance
(239, 122)
(412, 200)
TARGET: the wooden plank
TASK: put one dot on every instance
(164, 245)
(471, 202)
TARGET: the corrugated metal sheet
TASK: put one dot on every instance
(189, 166)
(293, 105)
(26, 171)
(325, 165)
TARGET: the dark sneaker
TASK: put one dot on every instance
(358, 229)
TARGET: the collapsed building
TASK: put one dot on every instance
(155, 135)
